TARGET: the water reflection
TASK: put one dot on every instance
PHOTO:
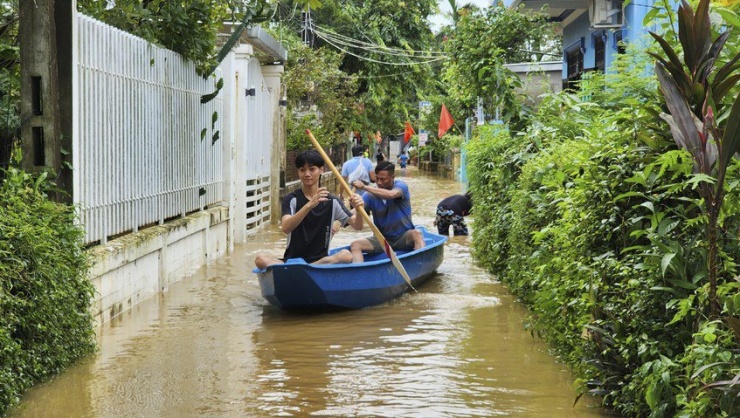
(211, 347)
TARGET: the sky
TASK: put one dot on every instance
(444, 5)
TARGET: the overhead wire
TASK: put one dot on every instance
(348, 45)
(344, 47)
(369, 46)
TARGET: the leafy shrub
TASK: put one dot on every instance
(595, 222)
(45, 295)
(439, 148)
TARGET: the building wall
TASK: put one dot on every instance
(579, 31)
(138, 266)
(538, 78)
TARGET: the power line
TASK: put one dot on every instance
(374, 47)
(378, 61)
(343, 43)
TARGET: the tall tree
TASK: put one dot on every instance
(320, 96)
(189, 27)
(9, 79)
(476, 69)
(386, 44)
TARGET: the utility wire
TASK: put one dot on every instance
(378, 61)
(348, 41)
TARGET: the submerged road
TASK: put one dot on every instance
(212, 347)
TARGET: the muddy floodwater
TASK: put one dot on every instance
(212, 347)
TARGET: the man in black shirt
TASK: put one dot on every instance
(308, 214)
(450, 211)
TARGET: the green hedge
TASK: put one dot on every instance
(45, 295)
(595, 224)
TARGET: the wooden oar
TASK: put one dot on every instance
(388, 250)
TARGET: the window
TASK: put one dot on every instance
(619, 42)
(574, 61)
(599, 51)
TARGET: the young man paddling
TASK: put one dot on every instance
(308, 214)
(390, 204)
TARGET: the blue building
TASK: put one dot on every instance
(594, 31)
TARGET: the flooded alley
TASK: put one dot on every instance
(212, 347)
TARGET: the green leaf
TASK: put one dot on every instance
(651, 396)
(731, 139)
(666, 262)
(683, 118)
(683, 284)
(208, 97)
(651, 15)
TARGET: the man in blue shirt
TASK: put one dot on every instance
(403, 159)
(390, 205)
(358, 168)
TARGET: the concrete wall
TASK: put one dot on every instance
(450, 171)
(538, 78)
(138, 266)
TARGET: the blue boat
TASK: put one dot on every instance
(297, 285)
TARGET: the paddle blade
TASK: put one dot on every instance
(397, 263)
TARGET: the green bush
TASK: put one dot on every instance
(597, 226)
(45, 295)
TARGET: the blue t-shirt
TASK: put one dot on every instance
(393, 216)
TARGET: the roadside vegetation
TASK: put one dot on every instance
(45, 295)
(613, 215)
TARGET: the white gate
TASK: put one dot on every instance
(258, 147)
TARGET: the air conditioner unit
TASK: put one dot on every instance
(605, 14)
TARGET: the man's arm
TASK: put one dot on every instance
(356, 221)
(394, 193)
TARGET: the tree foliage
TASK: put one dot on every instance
(320, 96)
(476, 69)
(597, 223)
(389, 54)
(188, 27)
(10, 89)
(703, 120)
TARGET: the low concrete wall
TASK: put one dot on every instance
(137, 266)
(450, 171)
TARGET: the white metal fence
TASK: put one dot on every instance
(144, 150)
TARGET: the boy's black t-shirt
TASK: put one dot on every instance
(310, 240)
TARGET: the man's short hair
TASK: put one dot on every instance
(385, 166)
(310, 157)
(357, 150)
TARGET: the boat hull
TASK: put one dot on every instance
(297, 285)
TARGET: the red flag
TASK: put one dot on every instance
(445, 121)
(408, 133)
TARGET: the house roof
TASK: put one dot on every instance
(559, 10)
